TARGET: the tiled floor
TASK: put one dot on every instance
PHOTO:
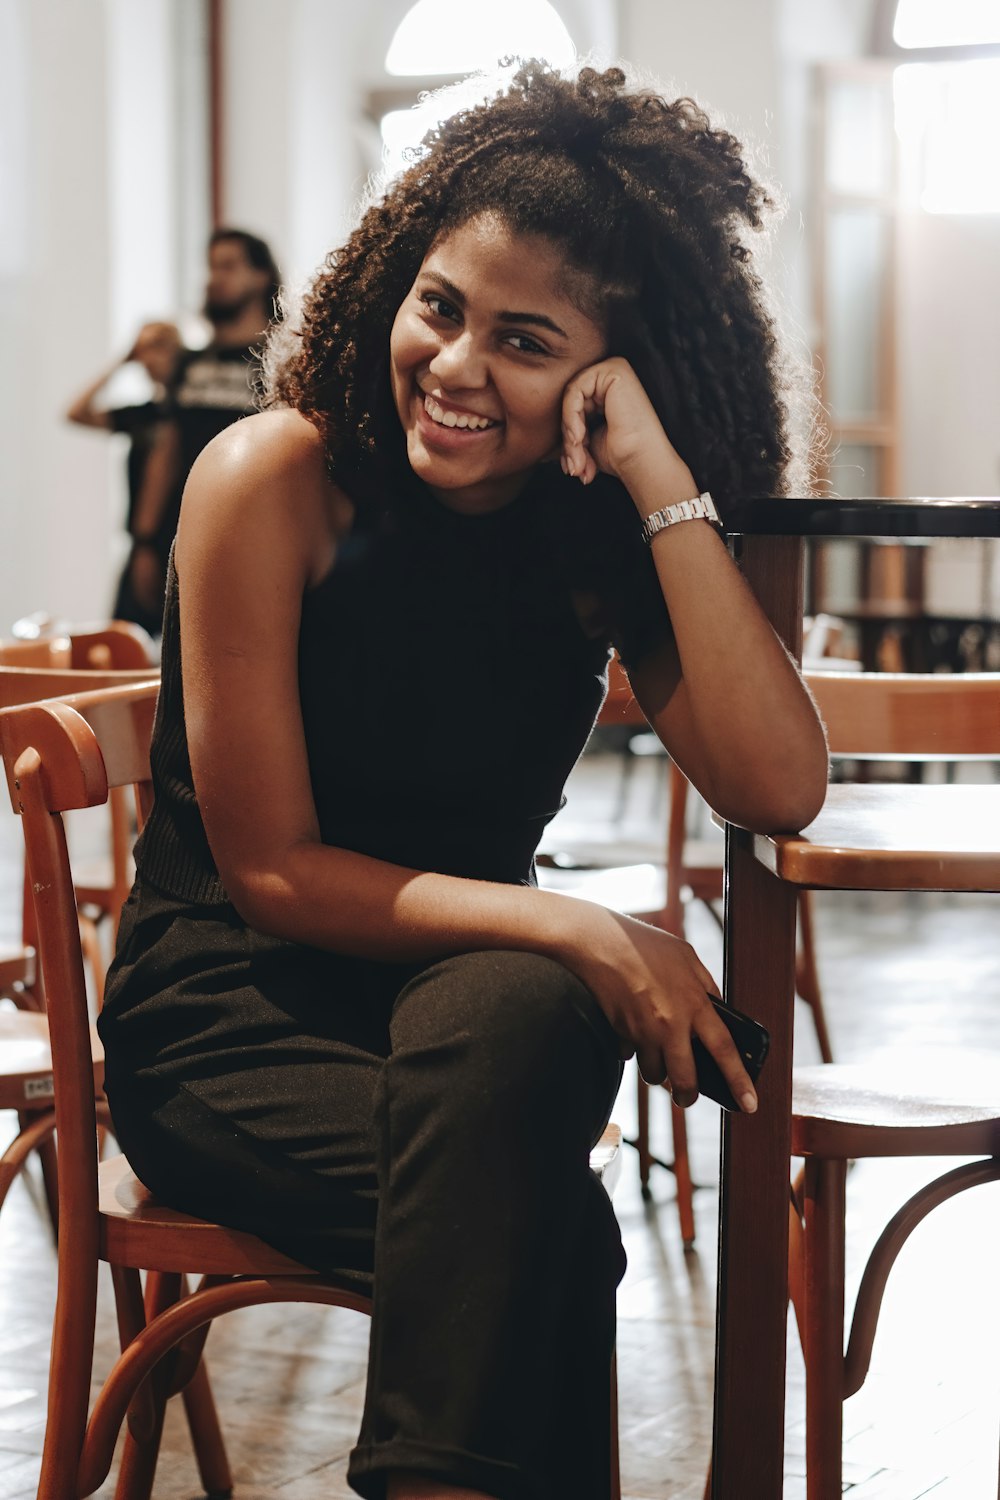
(909, 971)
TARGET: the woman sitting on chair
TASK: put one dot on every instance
(342, 1016)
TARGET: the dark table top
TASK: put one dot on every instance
(969, 516)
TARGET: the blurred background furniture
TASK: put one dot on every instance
(946, 1107)
(25, 1061)
(43, 666)
(949, 1107)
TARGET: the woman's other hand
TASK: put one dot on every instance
(609, 426)
(654, 990)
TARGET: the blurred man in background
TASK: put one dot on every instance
(212, 388)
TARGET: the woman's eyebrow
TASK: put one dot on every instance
(535, 320)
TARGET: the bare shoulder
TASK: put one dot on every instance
(269, 445)
(267, 472)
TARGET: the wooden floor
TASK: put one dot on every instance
(920, 972)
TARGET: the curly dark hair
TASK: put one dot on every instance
(644, 196)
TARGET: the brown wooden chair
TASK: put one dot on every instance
(850, 1111)
(102, 884)
(62, 756)
(25, 1061)
(116, 644)
(51, 667)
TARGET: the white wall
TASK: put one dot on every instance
(723, 52)
(54, 305)
(88, 197)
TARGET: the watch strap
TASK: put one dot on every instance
(700, 509)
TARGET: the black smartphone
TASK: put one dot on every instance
(752, 1041)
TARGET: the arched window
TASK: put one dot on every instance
(435, 43)
(441, 36)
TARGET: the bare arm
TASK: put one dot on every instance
(83, 411)
(259, 524)
(724, 697)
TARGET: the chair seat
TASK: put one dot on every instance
(606, 1158)
(705, 855)
(631, 888)
(138, 1231)
(947, 1106)
(26, 1060)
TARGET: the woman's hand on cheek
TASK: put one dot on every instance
(609, 426)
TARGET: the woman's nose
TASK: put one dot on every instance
(460, 364)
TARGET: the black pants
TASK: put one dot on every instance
(421, 1134)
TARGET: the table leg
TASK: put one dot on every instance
(748, 1437)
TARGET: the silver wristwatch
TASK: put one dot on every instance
(701, 509)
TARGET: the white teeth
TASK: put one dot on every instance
(453, 419)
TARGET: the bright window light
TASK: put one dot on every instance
(959, 23)
(404, 129)
(450, 36)
(948, 121)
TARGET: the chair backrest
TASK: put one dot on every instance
(119, 645)
(868, 715)
(51, 651)
(115, 645)
(909, 715)
(61, 755)
(25, 684)
(22, 684)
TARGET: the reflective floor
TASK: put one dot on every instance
(919, 972)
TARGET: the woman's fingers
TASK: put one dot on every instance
(679, 1060)
(582, 401)
(715, 1035)
(669, 1058)
(652, 1065)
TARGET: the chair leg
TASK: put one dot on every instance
(138, 1466)
(825, 1208)
(807, 975)
(642, 1135)
(796, 1265)
(682, 1175)
(681, 1162)
(206, 1435)
(50, 1177)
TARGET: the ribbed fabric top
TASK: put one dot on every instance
(447, 685)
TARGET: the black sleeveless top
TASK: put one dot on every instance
(447, 684)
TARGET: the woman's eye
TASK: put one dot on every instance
(525, 344)
(439, 306)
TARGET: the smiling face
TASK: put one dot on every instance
(481, 350)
